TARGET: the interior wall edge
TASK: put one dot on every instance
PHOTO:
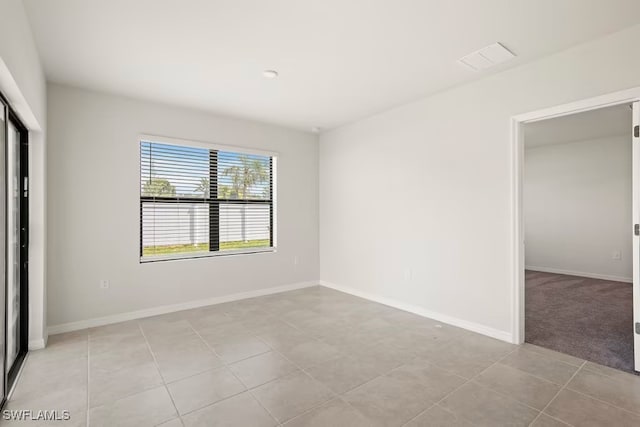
(37, 344)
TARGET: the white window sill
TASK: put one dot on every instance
(198, 255)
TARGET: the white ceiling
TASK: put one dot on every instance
(602, 123)
(339, 60)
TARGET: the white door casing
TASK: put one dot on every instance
(636, 231)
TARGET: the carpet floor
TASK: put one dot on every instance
(588, 318)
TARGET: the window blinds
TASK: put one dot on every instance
(196, 201)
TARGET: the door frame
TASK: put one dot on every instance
(23, 253)
(627, 96)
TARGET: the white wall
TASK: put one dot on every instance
(18, 51)
(93, 184)
(577, 207)
(22, 82)
(447, 160)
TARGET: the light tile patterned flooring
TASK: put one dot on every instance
(314, 357)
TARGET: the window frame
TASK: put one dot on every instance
(212, 200)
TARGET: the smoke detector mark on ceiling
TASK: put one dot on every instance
(486, 57)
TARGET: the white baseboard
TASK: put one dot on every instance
(454, 321)
(36, 344)
(148, 312)
(580, 273)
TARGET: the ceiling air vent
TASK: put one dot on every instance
(486, 57)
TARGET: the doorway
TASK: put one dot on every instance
(626, 97)
(577, 200)
(14, 217)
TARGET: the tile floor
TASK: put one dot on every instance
(314, 357)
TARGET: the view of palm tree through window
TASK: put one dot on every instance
(196, 200)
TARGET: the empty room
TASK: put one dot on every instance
(304, 213)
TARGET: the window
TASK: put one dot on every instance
(196, 200)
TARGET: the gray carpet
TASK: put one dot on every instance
(588, 318)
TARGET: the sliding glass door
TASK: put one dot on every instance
(13, 245)
(3, 307)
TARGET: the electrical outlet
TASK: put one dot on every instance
(617, 255)
(104, 284)
(408, 274)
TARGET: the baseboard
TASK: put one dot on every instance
(36, 344)
(450, 320)
(139, 314)
(580, 273)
